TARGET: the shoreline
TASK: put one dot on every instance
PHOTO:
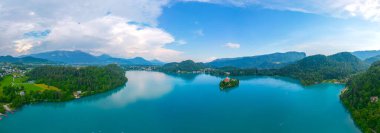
(10, 110)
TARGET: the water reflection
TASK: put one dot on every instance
(188, 77)
(82, 100)
(276, 83)
(141, 86)
(226, 90)
(151, 85)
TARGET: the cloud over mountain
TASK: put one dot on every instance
(117, 27)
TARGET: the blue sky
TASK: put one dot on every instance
(202, 30)
(256, 29)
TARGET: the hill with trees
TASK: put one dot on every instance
(89, 80)
(269, 61)
(59, 83)
(319, 68)
(361, 98)
(182, 67)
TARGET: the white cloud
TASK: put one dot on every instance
(112, 35)
(232, 45)
(23, 45)
(86, 25)
(366, 9)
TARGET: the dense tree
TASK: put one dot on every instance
(2, 110)
(319, 68)
(184, 66)
(90, 79)
(87, 80)
(361, 98)
(228, 84)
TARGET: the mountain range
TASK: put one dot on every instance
(268, 61)
(80, 57)
(26, 59)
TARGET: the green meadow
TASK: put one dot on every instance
(22, 81)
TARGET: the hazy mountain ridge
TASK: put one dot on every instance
(373, 59)
(26, 59)
(363, 55)
(80, 57)
(268, 61)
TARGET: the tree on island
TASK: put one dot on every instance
(228, 83)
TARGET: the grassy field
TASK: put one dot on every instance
(21, 81)
(46, 87)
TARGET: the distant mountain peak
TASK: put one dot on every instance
(104, 56)
(139, 58)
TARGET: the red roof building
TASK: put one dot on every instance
(227, 79)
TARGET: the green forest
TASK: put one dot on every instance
(361, 98)
(58, 83)
(89, 79)
(319, 68)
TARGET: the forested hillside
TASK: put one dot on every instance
(184, 66)
(268, 61)
(319, 68)
(87, 79)
(361, 98)
(58, 83)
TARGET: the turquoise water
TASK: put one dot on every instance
(161, 103)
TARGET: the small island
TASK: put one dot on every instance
(228, 83)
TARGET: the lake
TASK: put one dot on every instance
(161, 103)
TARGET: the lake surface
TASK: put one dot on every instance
(161, 103)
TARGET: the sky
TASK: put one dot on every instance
(201, 30)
